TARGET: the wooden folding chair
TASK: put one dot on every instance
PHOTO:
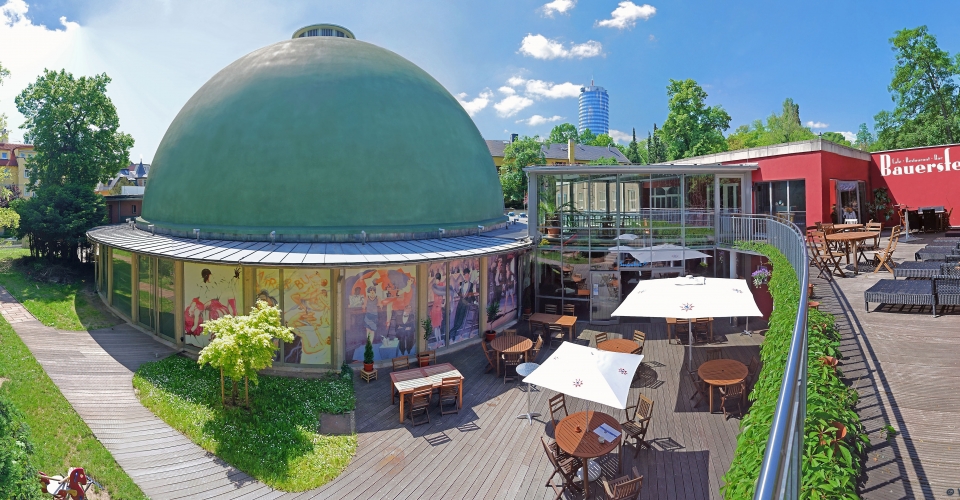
(601, 337)
(534, 352)
(828, 258)
(492, 363)
(550, 308)
(510, 362)
(558, 403)
(636, 426)
(564, 465)
(449, 394)
(623, 488)
(885, 257)
(568, 310)
(420, 405)
(640, 338)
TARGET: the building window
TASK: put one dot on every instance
(134, 209)
(665, 197)
(326, 32)
(632, 200)
(313, 32)
(3, 155)
(341, 34)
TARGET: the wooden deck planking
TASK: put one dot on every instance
(904, 366)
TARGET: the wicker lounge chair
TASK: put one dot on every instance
(931, 252)
(947, 289)
(903, 292)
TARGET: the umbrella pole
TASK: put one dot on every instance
(690, 346)
(746, 329)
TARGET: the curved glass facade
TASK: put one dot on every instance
(594, 110)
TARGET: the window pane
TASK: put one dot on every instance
(381, 306)
(798, 203)
(209, 292)
(145, 290)
(167, 297)
(306, 300)
(122, 275)
(464, 299)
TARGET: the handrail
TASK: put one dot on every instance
(780, 469)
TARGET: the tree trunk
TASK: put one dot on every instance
(223, 397)
(246, 390)
(234, 394)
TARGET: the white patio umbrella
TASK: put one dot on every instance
(587, 373)
(627, 237)
(660, 253)
(689, 297)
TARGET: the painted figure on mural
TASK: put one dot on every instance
(375, 304)
(438, 291)
(213, 297)
(467, 304)
(306, 300)
(404, 328)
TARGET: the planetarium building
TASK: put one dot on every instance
(333, 179)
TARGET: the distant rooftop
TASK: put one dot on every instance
(560, 151)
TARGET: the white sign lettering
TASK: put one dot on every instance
(917, 165)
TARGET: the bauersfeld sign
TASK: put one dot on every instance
(917, 162)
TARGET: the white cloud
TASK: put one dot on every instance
(652, 38)
(557, 6)
(476, 104)
(507, 90)
(512, 105)
(621, 137)
(540, 120)
(626, 15)
(550, 90)
(817, 125)
(515, 81)
(541, 47)
(850, 136)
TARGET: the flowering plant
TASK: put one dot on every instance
(761, 276)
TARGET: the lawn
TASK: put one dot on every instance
(67, 306)
(61, 439)
(277, 442)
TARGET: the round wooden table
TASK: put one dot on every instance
(586, 443)
(511, 344)
(851, 239)
(720, 373)
(625, 346)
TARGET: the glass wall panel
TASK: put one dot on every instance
(437, 305)
(547, 196)
(502, 287)
(762, 204)
(122, 263)
(798, 202)
(306, 302)
(165, 289)
(266, 287)
(145, 291)
(209, 292)
(730, 199)
(699, 202)
(382, 306)
(464, 307)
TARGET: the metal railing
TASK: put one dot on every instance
(780, 469)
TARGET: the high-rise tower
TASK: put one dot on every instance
(594, 110)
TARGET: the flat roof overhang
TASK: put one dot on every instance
(665, 168)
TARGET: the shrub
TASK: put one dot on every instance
(829, 469)
(18, 477)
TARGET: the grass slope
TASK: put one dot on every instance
(277, 442)
(61, 439)
(70, 306)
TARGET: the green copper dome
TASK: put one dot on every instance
(318, 137)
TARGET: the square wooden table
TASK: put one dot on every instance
(405, 381)
(568, 322)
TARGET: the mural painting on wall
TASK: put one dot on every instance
(502, 286)
(436, 302)
(464, 299)
(382, 306)
(210, 291)
(306, 302)
(267, 288)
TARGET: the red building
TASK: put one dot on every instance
(819, 181)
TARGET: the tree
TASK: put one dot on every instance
(864, 140)
(692, 128)
(656, 150)
(587, 137)
(604, 160)
(520, 153)
(73, 126)
(633, 151)
(244, 345)
(836, 137)
(4, 73)
(924, 91)
(563, 133)
(56, 219)
(746, 136)
(778, 129)
(602, 140)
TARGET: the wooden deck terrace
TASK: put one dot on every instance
(904, 364)
(486, 452)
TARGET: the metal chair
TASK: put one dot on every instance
(636, 426)
(449, 394)
(623, 488)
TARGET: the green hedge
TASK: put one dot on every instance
(18, 476)
(828, 470)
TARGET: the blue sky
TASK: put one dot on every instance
(509, 61)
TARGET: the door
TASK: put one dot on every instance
(604, 295)
(730, 195)
(850, 196)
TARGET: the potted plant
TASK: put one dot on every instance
(493, 309)
(368, 356)
(761, 276)
(427, 326)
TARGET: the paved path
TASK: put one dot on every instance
(94, 370)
